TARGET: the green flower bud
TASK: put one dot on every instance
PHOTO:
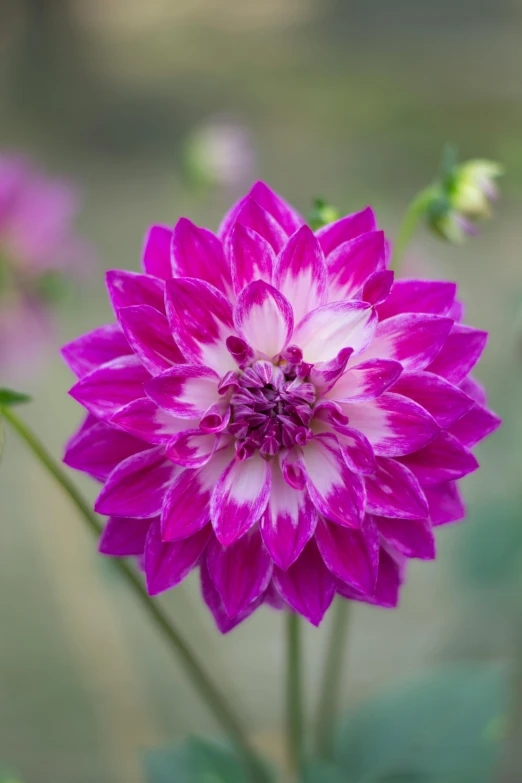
(322, 213)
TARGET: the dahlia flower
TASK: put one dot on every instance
(273, 408)
(36, 247)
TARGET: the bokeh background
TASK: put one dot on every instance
(347, 99)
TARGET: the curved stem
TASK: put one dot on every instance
(414, 213)
(332, 679)
(200, 679)
(294, 695)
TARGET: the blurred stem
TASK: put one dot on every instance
(414, 214)
(214, 699)
(294, 695)
(332, 679)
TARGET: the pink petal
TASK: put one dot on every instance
(185, 391)
(446, 504)
(264, 318)
(418, 296)
(239, 498)
(150, 337)
(201, 320)
(474, 389)
(412, 339)
(130, 288)
(136, 487)
(410, 537)
(335, 490)
(307, 586)
(478, 423)
(324, 332)
(197, 252)
(389, 581)
(111, 386)
(217, 607)
(156, 252)
(351, 264)
(348, 227)
(365, 381)
(460, 353)
(394, 492)
(377, 288)
(393, 424)
(240, 572)
(356, 448)
(287, 217)
(167, 564)
(300, 273)
(444, 459)
(289, 520)
(253, 216)
(252, 258)
(186, 508)
(351, 555)
(97, 449)
(445, 402)
(124, 537)
(146, 420)
(100, 346)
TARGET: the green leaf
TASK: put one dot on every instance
(9, 397)
(440, 726)
(196, 761)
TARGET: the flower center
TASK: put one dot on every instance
(271, 408)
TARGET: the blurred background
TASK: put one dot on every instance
(351, 100)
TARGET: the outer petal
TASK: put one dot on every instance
(395, 492)
(100, 346)
(264, 318)
(348, 227)
(167, 564)
(300, 273)
(475, 425)
(240, 572)
(365, 381)
(201, 320)
(324, 332)
(289, 520)
(239, 498)
(98, 448)
(445, 402)
(124, 537)
(146, 420)
(351, 555)
(111, 386)
(307, 586)
(393, 424)
(412, 339)
(251, 257)
(253, 216)
(186, 508)
(389, 581)
(460, 353)
(410, 537)
(444, 459)
(446, 504)
(136, 488)
(150, 337)
(335, 490)
(197, 252)
(217, 607)
(185, 391)
(352, 263)
(156, 252)
(192, 448)
(131, 288)
(377, 288)
(287, 217)
(418, 296)
(474, 389)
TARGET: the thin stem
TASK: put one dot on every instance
(214, 699)
(328, 710)
(294, 694)
(414, 213)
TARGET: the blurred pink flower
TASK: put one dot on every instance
(274, 408)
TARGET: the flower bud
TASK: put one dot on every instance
(322, 214)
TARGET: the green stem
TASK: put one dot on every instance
(328, 710)
(294, 695)
(215, 700)
(414, 213)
